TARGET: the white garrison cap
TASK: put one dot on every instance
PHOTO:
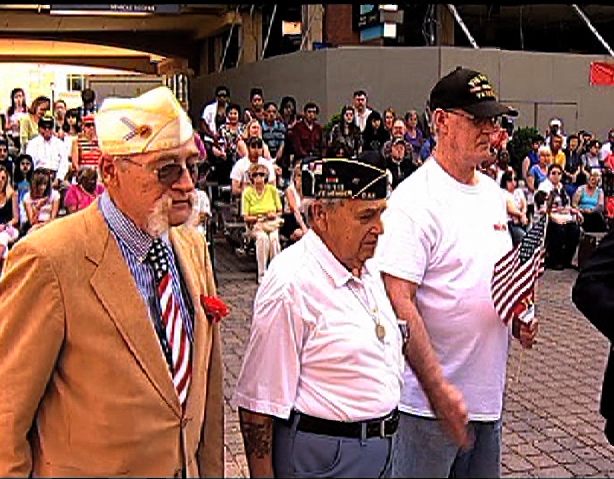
(153, 121)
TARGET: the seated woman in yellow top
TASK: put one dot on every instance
(261, 210)
(28, 124)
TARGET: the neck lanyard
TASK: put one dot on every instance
(380, 330)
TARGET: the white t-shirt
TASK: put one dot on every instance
(606, 150)
(517, 198)
(313, 345)
(50, 154)
(44, 213)
(209, 113)
(240, 170)
(446, 237)
(291, 189)
(68, 145)
(202, 205)
(361, 120)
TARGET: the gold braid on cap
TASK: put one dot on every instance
(360, 163)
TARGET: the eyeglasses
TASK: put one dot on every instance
(256, 144)
(220, 95)
(47, 127)
(493, 121)
(258, 174)
(555, 172)
(168, 174)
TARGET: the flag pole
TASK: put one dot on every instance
(535, 289)
(519, 365)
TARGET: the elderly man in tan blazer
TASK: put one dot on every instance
(110, 359)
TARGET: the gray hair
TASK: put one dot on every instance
(329, 204)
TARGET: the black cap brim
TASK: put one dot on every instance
(488, 109)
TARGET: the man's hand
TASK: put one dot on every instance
(449, 406)
(271, 216)
(445, 399)
(528, 331)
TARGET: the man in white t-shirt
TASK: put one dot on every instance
(606, 148)
(444, 230)
(240, 171)
(361, 110)
(48, 151)
(213, 110)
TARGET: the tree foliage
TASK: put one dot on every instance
(520, 145)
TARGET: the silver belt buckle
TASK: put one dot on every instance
(382, 428)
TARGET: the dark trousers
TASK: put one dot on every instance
(561, 242)
(593, 222)
(304, 454)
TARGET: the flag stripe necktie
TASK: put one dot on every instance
(172, 323)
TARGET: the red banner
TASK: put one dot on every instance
(602, 73)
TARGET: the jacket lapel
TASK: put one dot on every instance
(189, 266)
(115, 287)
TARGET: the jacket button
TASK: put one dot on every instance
(177, 473)
(184, 423)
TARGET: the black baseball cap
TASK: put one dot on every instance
(46, 121)
(470, 91)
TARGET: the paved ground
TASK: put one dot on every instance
(552, 427)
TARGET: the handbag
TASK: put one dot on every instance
(268, 226)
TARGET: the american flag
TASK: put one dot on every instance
(514, 276)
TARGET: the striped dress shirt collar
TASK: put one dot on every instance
(135, 239)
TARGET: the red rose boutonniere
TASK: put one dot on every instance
(215, 308)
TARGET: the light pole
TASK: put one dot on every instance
(52, 86)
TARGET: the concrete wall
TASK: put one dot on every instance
(395, 77)
(122, 86)
(542, 86)
(539, 85)
(301, 75)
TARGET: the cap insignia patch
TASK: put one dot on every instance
(480, 87)
(136, 130)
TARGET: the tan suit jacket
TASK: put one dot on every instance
(84, 387)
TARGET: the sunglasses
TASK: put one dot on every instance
(493, 121)
(259, 174)
(555, 172)
(168, 174)
(256, 144)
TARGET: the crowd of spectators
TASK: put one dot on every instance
(574, 173)
(41, 138)
(48, 164)
(575, 202)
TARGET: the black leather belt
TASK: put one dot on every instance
(382, 427)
